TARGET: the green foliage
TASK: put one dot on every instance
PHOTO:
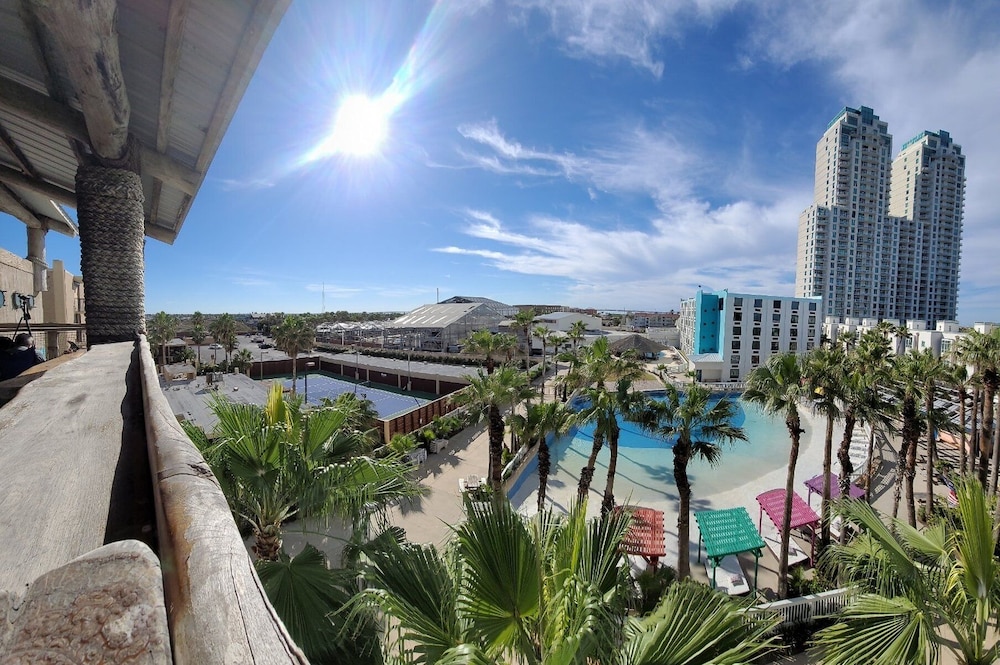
(402, 443)
(652, 585)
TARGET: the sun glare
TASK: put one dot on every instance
(361, 126)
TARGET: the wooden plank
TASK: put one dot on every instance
(171, 58)
(63, 441)
(217, 608)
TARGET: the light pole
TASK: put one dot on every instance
(409, 374)
(309, 366)
(357, 369)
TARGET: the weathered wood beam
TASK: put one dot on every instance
(53, 192)
(256, 36)
(10, 205)
(86, 35)
(38, 107)
(171, 61)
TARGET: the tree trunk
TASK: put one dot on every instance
(824, 538)
(294, 372)
(900, 474)
(986, 432)
(682, 453)
(870, 473)
(786, 522)
(996, 454)
(587, 473)
(962, 455)
(267, 542)
(911, 435)
(544, 465)
(974, 429)
(844, 457)
(928, 407)
(609, 490)
(496, 446)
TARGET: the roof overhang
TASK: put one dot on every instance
(83, 80)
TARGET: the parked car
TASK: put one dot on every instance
(215, 346)
(265, 345)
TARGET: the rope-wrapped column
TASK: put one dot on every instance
(110, 212)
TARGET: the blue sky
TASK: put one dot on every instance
(605, 153)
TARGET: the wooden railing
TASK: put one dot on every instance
(92, 456)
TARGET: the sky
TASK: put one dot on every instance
(616, 154)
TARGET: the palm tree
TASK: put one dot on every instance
(935, 419)
(699, 427)
(824, 374)
(867, 371)
(547, 589)
(243, 360)
(293, 336)
(908, 375)
(522, 323)
(491, 395)
(848, 340)
(277, 463)
(598, 367)
(912, 584)
(960, 380)
(604, 408)
(489, 344)
(223, 330)
(162, 329)
(198, 335)
(982, 351)
(777, 387)
(577, 331)
(543, 333)
(534, 427)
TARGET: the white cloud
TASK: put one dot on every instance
(626, 30)
(333, 290)
(920, 66)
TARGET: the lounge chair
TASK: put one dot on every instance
(729, 577)
(795, 552)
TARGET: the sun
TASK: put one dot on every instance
(361, 126)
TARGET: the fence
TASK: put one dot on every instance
(806, 609)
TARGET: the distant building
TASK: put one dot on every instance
(549, 309)
(440, 327)
(641, 320)
(917, 336)
(726, 335)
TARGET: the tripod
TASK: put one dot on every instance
(25, 318)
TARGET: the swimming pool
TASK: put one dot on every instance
(387, 403)
(645, 471)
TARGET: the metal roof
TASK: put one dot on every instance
(185, 65)
(435, 316)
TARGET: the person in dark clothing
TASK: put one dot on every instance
(22, 356)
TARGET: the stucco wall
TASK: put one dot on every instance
(16, 277)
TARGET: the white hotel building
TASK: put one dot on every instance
(883, 237)
(725, 335)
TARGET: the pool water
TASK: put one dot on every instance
(645, 471)
(386, 402)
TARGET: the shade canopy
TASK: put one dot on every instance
(772, 502)
(645, 535)
(815, 485)
(725, 532)
(728, 531)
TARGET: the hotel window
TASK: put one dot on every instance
(795, 319)
(754, 360)
(734, 359)
(736, 345)
(734, 374)
(777, 304)
(775, 332)
(755, 345)
(737, 316)
(774, 347)
(737, 302)
(737, 331)
(795, 305)
(776, 317)
(756, 332)
(793, 346)
(758, 302)
(756, 317)
(812, 307)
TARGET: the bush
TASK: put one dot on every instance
(652, 585)
(402, 443)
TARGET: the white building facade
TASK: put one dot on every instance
(726, 335)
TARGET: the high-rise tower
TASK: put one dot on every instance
(928, 197)
(882, 238)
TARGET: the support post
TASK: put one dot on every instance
(110, 209)
(36, 254)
